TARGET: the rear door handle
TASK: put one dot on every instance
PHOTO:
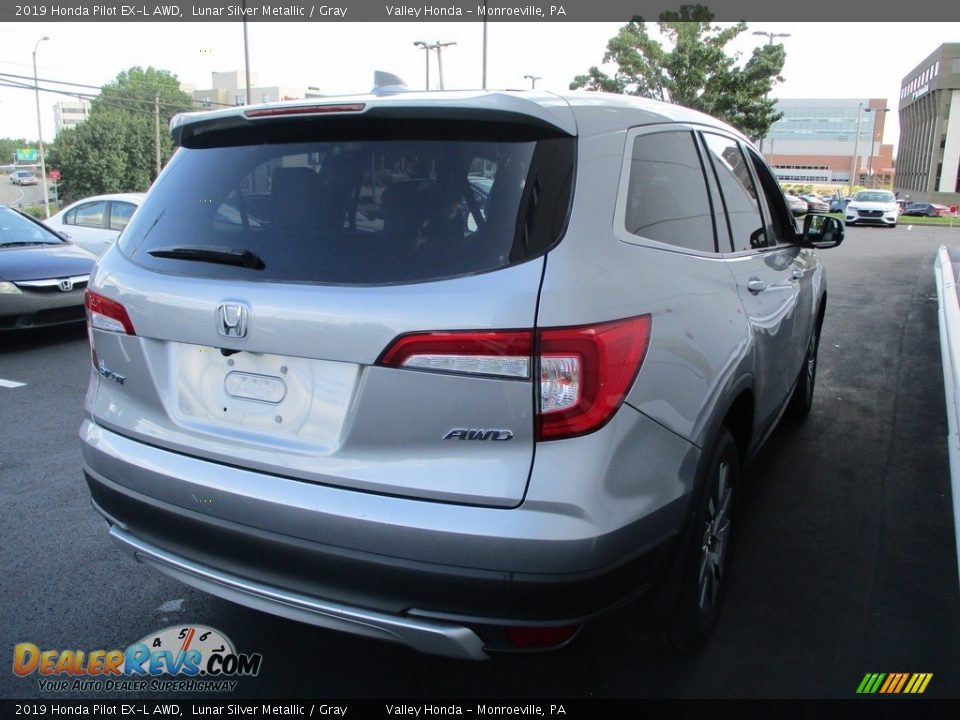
(756, 285)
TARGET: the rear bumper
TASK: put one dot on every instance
(421, 634)
(442, 578)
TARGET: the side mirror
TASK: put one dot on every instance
(821, 232)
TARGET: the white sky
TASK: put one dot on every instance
(825, 60)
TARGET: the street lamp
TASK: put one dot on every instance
(533, 80)
(770, 36)
(426, 53)
(873, 142)
(438, 46)
(856, 149)
(43, 163)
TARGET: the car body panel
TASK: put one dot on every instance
(291, 466)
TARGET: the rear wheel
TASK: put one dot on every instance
(802, 399)
(707, 555)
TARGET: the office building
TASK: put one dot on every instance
(69, 114)
(821, 141)
(928, 160)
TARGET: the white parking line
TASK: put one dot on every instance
(11, 384)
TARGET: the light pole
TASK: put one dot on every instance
(856, 148)
(533, 80)
(873, 142)
(426, 54)
(438, 46)
(770, 36)
(43, 163)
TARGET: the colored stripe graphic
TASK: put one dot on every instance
(894, 683)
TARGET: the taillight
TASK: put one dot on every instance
(585, 372)
(106, 314)
(504, 354)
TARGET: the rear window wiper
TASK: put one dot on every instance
(223, 256)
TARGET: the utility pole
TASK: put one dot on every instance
(426, 54)
(873, 142)
(156, 129)
(246, 55)
(43, 163)
(856, 148)
(533, 80)
(770, 36)
(484, 44)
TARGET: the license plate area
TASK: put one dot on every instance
(273, 396)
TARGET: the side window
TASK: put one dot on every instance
(120, 214)
(90, 215)
(667, 196)
(70, 218)
(739, 193)
(780, 227)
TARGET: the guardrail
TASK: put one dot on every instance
(949, 316)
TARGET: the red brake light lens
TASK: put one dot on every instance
(106, 314)
(585, 372)
(305, 110)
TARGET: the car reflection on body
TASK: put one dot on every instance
(42, 276)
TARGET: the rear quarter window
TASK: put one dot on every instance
(667, 194)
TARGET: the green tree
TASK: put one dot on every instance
(114, 150)
(695, 71)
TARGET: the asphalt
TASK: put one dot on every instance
(844, 564)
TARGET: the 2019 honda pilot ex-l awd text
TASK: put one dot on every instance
(334, 381)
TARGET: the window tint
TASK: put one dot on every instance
(90, 214)
(739, 192)
(666, 197)
(355, 211)
(780, 225)
(120, 213)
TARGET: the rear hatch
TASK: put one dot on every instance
(343, 294)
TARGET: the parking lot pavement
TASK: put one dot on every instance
(845, 559)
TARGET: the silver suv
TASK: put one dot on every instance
(459, 370)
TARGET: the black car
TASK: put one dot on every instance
(42, 276)
(926, 209)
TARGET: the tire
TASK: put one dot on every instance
(802, 399)
(706, 558)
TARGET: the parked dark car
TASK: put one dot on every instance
(925, 209)
(815, 204)
(42, 276)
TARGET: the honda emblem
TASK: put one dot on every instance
(232, 320)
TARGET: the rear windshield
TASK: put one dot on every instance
(362, 210)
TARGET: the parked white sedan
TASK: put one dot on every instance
(95, 222)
